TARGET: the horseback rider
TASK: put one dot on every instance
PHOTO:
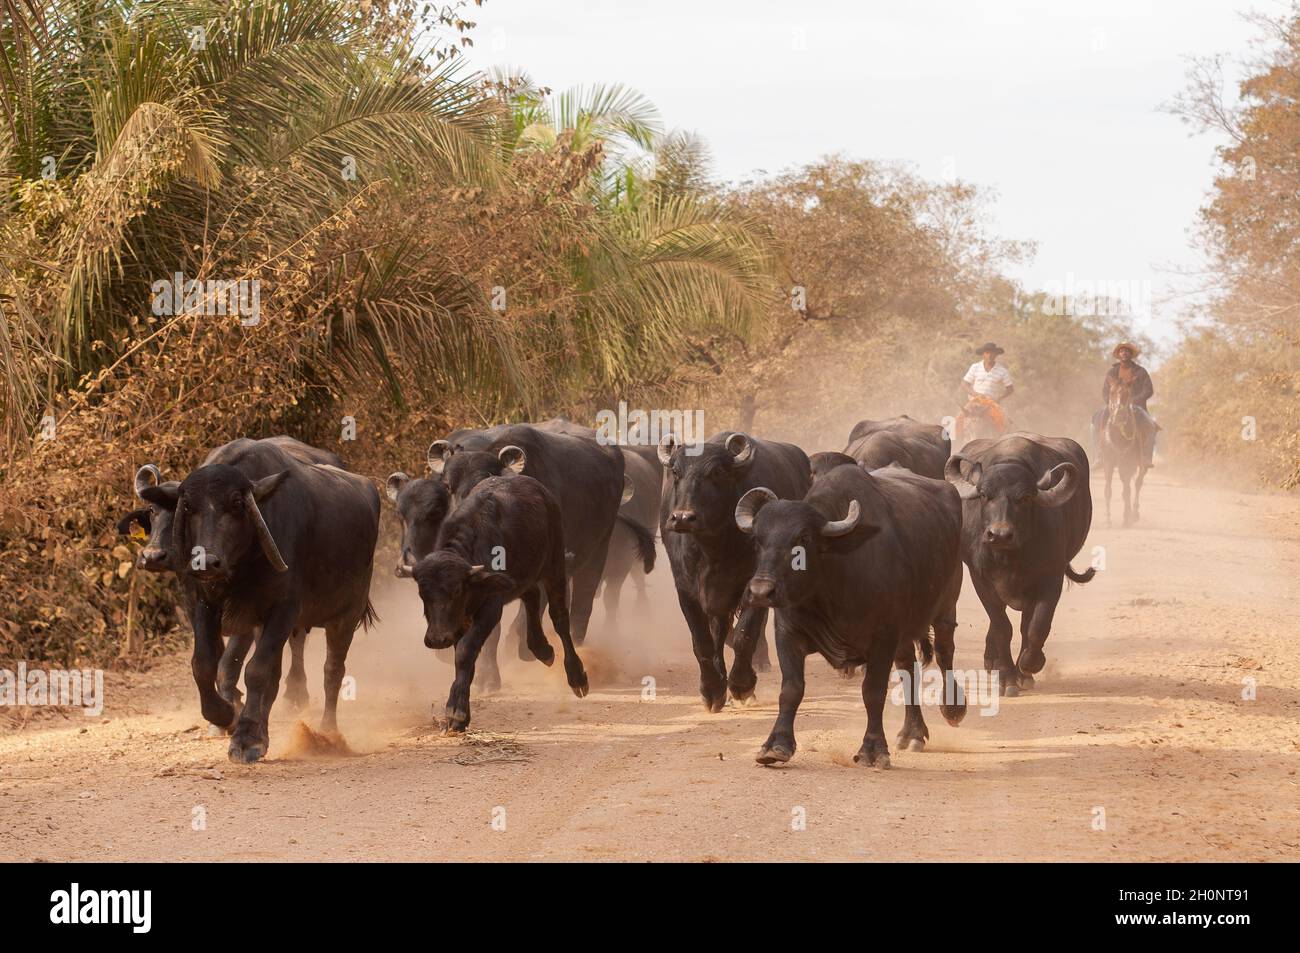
(1126, 371)
(987, 383)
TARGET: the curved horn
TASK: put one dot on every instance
(741, 447)
(264, 533)
(179, 519)
(513, 458)
(147, 476)
(747, 507)
(966, 489)
(395, 483)
(846, 525)
(667, 444)
(437, 455)
(1049, 495)
(629, 488)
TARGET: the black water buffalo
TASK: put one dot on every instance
(275, 544)
(156, 556)
(823, 463)
(859, 570)
(505, 541)
(921, 448)
(422, 504)
(1026, 512)
(712, 560)
(586, 479)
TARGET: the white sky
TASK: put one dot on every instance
(1052, 104)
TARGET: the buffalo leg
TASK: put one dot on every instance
(1035, 626)
(914, 734)
(295, 683)
(204, 665)
(748, 634)
(586, 580)
(575, 674)
(997, 643)
(538, 647)
(953, 706)
(338, 639)
(713, 678)
(232, 664)
(467, 652)
(252, 737)
(875, 686)
(488, 677)
(519, 629)
(790, 654)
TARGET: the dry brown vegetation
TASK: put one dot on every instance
(378, 290)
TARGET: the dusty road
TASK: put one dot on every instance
(1139, 714)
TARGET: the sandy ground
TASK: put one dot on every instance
(1138, 721)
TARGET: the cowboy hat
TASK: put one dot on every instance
(990, 346)
(1126, 344)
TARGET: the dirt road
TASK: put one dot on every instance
(1138, 723)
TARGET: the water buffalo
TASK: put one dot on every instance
(823, 463)
(1026, 508)
(712, 560)
(280, 551)
(921, 448)
(586, 479)
(859, 570)
(156, 554)
(504, 542)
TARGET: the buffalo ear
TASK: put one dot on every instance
(263, 488)
(395, 483)
(488, 580)
(135, 516)
(164, 494)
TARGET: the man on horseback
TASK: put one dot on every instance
(987, 383)
(1127, 376)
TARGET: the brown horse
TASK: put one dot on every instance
(1122, 449)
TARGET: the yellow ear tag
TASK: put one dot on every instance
(137, 532)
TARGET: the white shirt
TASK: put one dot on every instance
(989, 383)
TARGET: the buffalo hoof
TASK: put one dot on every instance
(245, 749)
(912, 740)
(714, 704)
(544, 653)
(487, 681)
(953, 714)
(577, 677)
(216, 731)
(297, 700)
(457, 721)
(742, 689)
(774, 754)
(1026, 681)
(1011, 691)
(874, 753)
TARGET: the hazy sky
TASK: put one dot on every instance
(1054, 105)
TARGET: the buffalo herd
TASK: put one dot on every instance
(857, 555)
